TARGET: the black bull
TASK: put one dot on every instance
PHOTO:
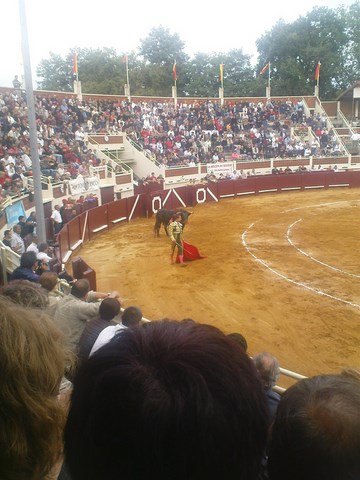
(164, 216)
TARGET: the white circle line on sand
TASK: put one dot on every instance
(288, 238)
(284, 277)
(319, 205)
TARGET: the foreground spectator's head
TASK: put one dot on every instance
(239, 339)
(109, 308)
(167, 400)
(268, 368)
(32, 359)
(131, 316)
(316, 433)
(25, 293)
(49, 280)
(351, 372)
(80, 288)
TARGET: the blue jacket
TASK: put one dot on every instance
(22, 273)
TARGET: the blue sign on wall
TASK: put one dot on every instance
(13, 213)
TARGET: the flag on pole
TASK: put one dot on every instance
(317, 71)
(221, 73)
(125, 59)
(264, 68)
(75, 66)
(174, 71)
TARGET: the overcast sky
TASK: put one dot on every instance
(203, 26)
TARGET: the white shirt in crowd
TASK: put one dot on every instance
(105, 336)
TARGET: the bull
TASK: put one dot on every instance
(163, 217)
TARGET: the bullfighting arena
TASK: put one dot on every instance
(282, 269)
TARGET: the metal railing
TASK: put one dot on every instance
(140, 149)
(9, 261)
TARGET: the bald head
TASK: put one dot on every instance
(268, 367)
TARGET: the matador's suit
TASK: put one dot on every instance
(175, 230)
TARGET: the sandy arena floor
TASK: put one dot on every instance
(282, 269)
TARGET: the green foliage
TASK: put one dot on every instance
(100, 71)
(162, 48)
(331, 36)
(56, 74)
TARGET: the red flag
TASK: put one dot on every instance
(75, 67)
(190, 253)
(174, 72)
(265, 68)
(125, 59)
(317, 71)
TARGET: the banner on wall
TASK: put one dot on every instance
(81, 184)
(226, 168)
(13, 212)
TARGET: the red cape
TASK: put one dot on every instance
(190, 253)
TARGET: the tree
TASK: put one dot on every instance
(101, 71)
(55, 73)
(202, 74)
(202, 77)
(294, 50)
(352, 65)
(160, 49)
(238, 74)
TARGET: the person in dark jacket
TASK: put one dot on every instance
(26, 271)
(108, 310)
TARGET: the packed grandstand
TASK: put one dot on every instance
(198, 131)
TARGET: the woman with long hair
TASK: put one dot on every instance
(32, 416)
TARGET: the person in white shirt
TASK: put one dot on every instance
(27, 161)
(17, 243)
(33, 247)
(7, 158)
(79, 135)
(56, 219)
(105, 336)
(10, 169)
(43, 252)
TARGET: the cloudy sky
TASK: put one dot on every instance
(203, 26)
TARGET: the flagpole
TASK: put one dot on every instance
(221, 90)
(30, 102)
(222, 83)
(268, 93)
(174, 89)
(77, 70)
(77, 84)
(127, 78)
(317, 77)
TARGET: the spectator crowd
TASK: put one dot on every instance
(188, 134)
